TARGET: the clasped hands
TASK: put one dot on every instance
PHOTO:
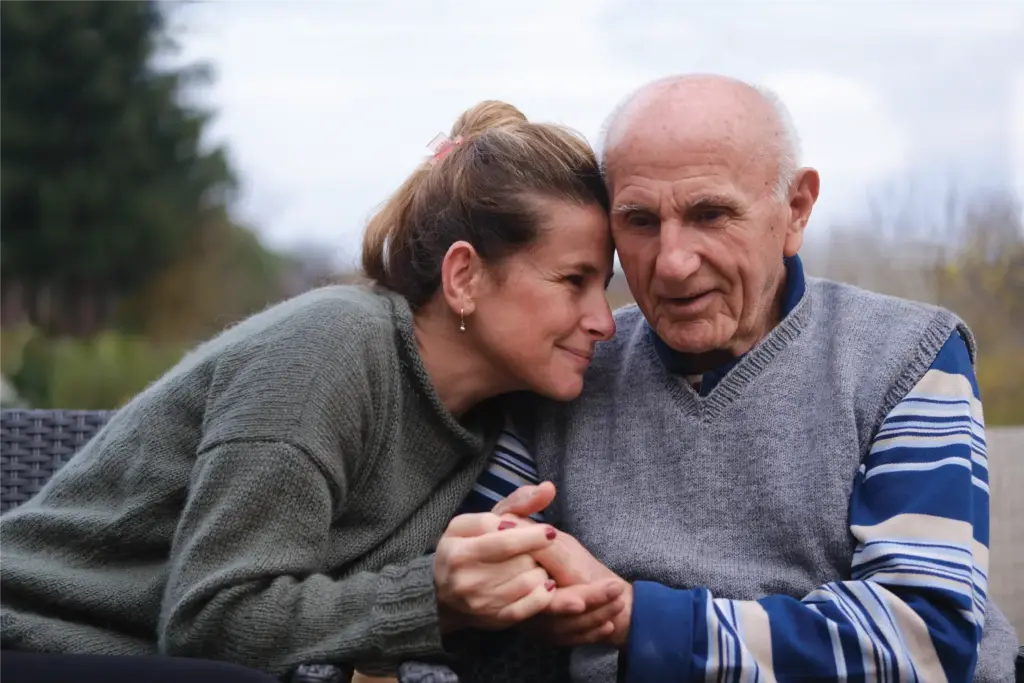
(501, 569)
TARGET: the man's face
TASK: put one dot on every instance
(701, 238)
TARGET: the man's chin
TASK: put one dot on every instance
(694, 338)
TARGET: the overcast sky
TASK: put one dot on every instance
(325, 106)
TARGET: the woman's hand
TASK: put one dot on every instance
(580, 576)
(486, 576)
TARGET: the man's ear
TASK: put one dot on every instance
(461, 270)
(801, 201)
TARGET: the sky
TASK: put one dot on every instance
(325, 106)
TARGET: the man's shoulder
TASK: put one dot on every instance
(859, 314)
(834, 295)
(884, 344)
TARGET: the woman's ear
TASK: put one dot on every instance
(461, 271)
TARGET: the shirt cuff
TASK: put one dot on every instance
(660, 644)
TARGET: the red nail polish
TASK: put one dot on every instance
(551, 533)
(506, 525)
(550, 584)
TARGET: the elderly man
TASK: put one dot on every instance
(789, 473)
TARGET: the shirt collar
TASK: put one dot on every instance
(676, 362)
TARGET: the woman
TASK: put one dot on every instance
(275, 498)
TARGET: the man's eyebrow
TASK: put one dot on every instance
(722, 200)
(629, 208)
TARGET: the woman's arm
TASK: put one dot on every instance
(246, 582)
(245, 579)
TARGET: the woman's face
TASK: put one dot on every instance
(543, 309)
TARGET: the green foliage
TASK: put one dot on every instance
(1001, 380)
(99, 373)
(223, 275)
(104, 178)
(13, 342)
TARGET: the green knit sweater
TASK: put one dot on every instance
(272, 500)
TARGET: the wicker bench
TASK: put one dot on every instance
(36, 443)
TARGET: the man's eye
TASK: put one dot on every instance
(640, 220)
(575, 280)
(710, 215)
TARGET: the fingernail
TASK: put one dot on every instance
(550, 584)
(506, 525)
(551, 533)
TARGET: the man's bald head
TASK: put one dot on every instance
(712, 106)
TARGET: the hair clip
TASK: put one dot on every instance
(441, 146)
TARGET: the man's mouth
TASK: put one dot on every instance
(688, 305)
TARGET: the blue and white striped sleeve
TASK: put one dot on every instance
(913, 607)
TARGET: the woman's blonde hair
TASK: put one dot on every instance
(484, 191)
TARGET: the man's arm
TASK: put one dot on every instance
(913, 608)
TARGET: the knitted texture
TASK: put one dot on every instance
(272, 500)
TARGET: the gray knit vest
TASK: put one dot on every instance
(745, 491)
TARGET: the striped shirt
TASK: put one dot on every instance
(509, 467)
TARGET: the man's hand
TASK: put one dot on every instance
(607, 599)
(602, 620)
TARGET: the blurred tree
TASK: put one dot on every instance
(104, 178)
(223, 275)
(966, 254)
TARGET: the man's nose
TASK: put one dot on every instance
(677, 259)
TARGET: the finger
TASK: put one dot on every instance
(595, 635)
(487, 577)
(516, 520)
(504, 545)
(472, 524)
(521, 585)
(529, 606)
(563, 563)
(585, 597)
(566, 602)
(527, 500)
(588, 621)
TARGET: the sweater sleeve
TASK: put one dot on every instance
(913, 608)
(246, 582)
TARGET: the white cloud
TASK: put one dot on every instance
(324, 113)
(846, 132)
(325, 106)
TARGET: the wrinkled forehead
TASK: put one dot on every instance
(683, 144)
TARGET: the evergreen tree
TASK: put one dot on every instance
(104, 180)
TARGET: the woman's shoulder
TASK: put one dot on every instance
(311, 324)
(326, 351)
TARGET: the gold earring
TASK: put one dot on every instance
(462, 320)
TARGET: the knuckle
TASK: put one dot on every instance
(459, 556)
(477, 602)
(460, 583)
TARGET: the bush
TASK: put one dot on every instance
(101, 373)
